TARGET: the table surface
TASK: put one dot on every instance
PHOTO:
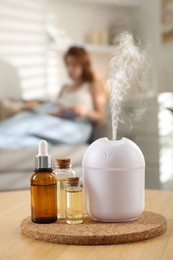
(15, 206)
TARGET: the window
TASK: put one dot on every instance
(24, 43)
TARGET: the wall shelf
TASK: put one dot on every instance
(92, 48)
(122, 3)
(96, 48)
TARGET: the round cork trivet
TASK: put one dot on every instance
(90, 232)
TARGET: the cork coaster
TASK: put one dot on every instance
(90, 232)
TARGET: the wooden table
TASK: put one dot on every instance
(15, 206)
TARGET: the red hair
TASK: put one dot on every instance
(83, 58)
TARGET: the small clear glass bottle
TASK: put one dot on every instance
(62, 171)
(74, 201)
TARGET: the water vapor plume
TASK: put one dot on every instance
(128, 69)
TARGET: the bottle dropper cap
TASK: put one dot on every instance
(43, 159)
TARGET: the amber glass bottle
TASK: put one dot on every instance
(43, 188)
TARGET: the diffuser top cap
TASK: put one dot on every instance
(108, 154)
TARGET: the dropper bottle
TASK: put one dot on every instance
(43, 188)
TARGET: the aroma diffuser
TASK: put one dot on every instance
(114, 176)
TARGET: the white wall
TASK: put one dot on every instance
(166, 67)
(147, 26)
(77, 19)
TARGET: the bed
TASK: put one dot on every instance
(17, 166)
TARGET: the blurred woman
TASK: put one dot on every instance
(68, 120)
(86, 96)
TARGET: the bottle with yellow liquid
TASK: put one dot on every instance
(74, 201)
(43, 188)
(62, 171)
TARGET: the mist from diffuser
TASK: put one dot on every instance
(128, 69)
(114, 170)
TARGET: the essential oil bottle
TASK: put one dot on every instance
(43, 188)
(74, 201)
(62, 171)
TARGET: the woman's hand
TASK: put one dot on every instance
(63, 111)
(80, 110)
(31, 105)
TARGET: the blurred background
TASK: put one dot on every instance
(34, 34)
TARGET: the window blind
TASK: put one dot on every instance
(24, 44)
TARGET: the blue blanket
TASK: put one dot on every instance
(26, 128)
